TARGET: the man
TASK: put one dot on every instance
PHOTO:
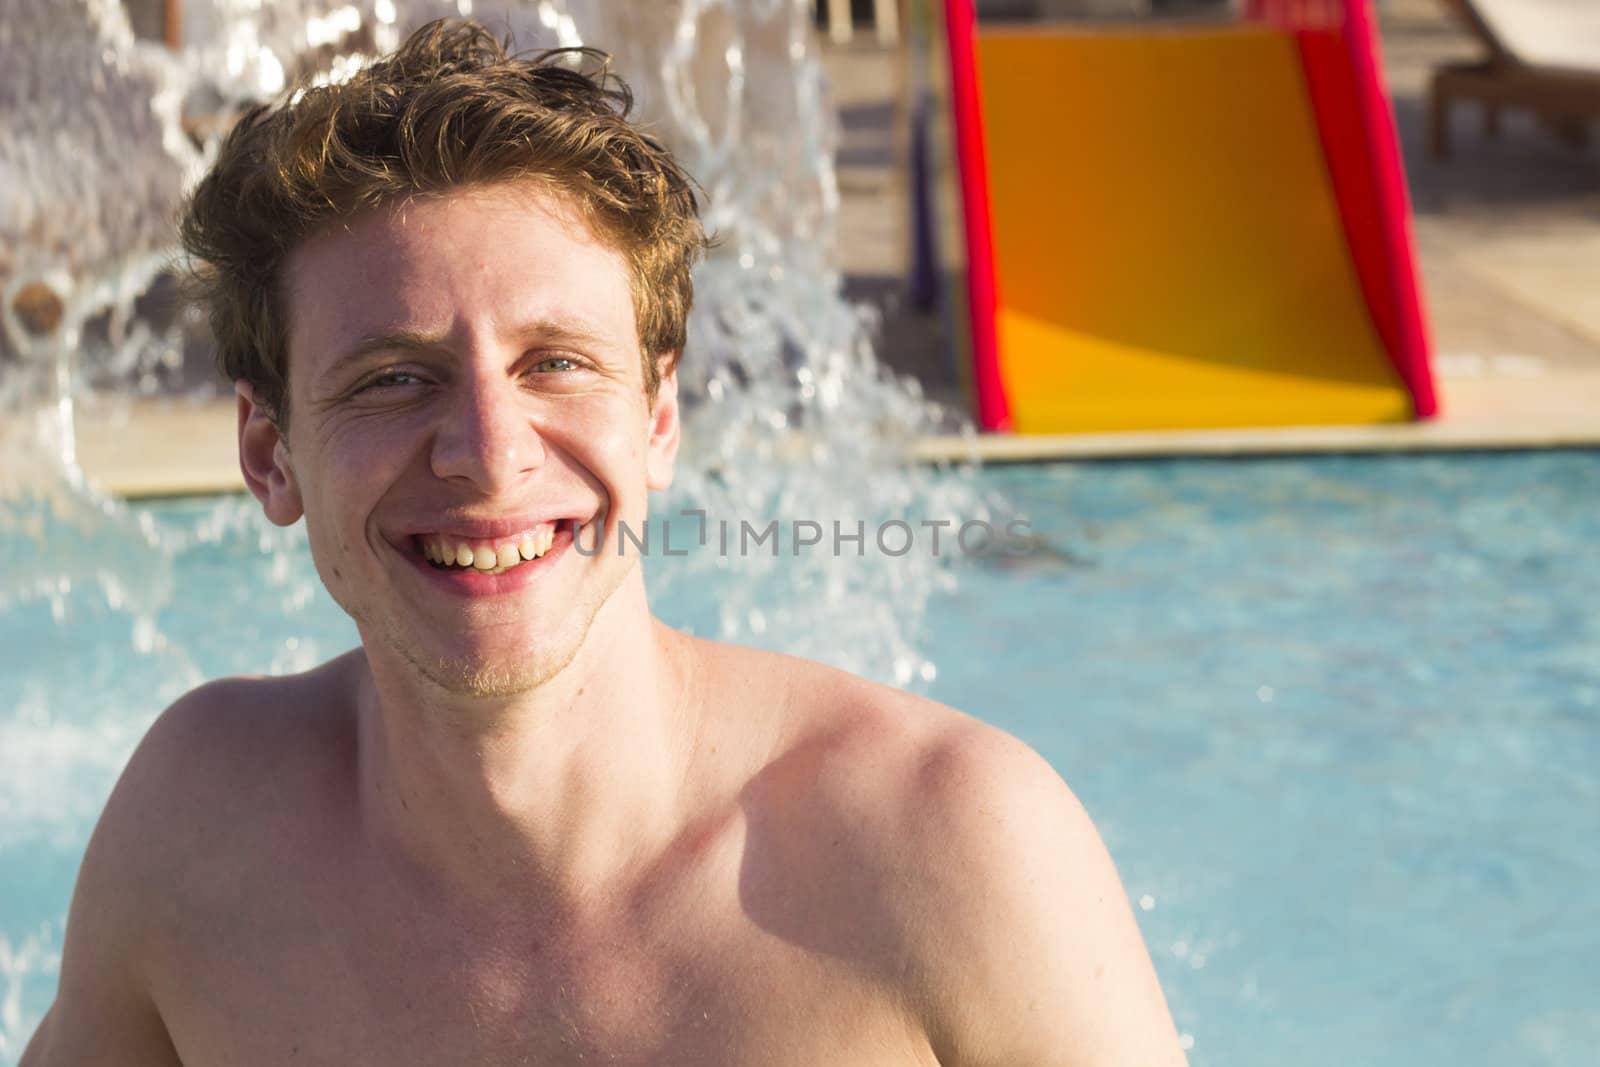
(525, 822)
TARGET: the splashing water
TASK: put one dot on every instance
(103, 133)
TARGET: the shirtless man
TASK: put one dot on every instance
(526, 823)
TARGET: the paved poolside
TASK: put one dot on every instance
(1508, 235)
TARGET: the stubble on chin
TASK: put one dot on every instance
(479, 678)
(503, 678)
(492, 680)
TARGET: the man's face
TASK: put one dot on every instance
(465, 379)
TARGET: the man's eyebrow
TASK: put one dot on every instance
(560, 330)
(393, 341)
(543, 330)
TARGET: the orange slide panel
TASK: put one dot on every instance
(1169, 250)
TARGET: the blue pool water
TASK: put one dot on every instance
(1337, 719)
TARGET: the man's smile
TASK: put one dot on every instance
(489, 556)
(482, 565)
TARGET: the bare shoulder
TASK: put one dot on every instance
(896, 751)
(993, 902)
(234, 717)
(236, 769)
(196, 779)
(239, 709)
(1026, 948)
(182, 804)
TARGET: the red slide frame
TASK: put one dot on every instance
(1337, 42)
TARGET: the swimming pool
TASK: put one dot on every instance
(1338, 720)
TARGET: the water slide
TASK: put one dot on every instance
(1185, 227)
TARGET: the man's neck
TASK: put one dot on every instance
(562, 792)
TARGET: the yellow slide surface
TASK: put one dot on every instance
(1169, 251)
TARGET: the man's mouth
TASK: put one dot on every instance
(449, 552)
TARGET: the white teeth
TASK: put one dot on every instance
(488, 558)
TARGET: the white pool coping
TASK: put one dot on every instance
(148, 448)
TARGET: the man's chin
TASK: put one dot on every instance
(490, 678)
(489, 681)
(495, 668)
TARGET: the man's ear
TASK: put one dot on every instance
(662, 448)
(264, 459)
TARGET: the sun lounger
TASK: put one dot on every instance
(1544, 55)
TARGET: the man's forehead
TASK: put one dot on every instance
(405, 235)
(514, 256)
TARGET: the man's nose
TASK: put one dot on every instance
(488, 436)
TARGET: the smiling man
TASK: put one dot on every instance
(524, 822)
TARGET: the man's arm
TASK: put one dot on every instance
(103, 1011)
(1029, 953)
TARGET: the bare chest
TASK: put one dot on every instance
(296, 976)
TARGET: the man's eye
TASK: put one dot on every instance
(391, 378)
(556, 365)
